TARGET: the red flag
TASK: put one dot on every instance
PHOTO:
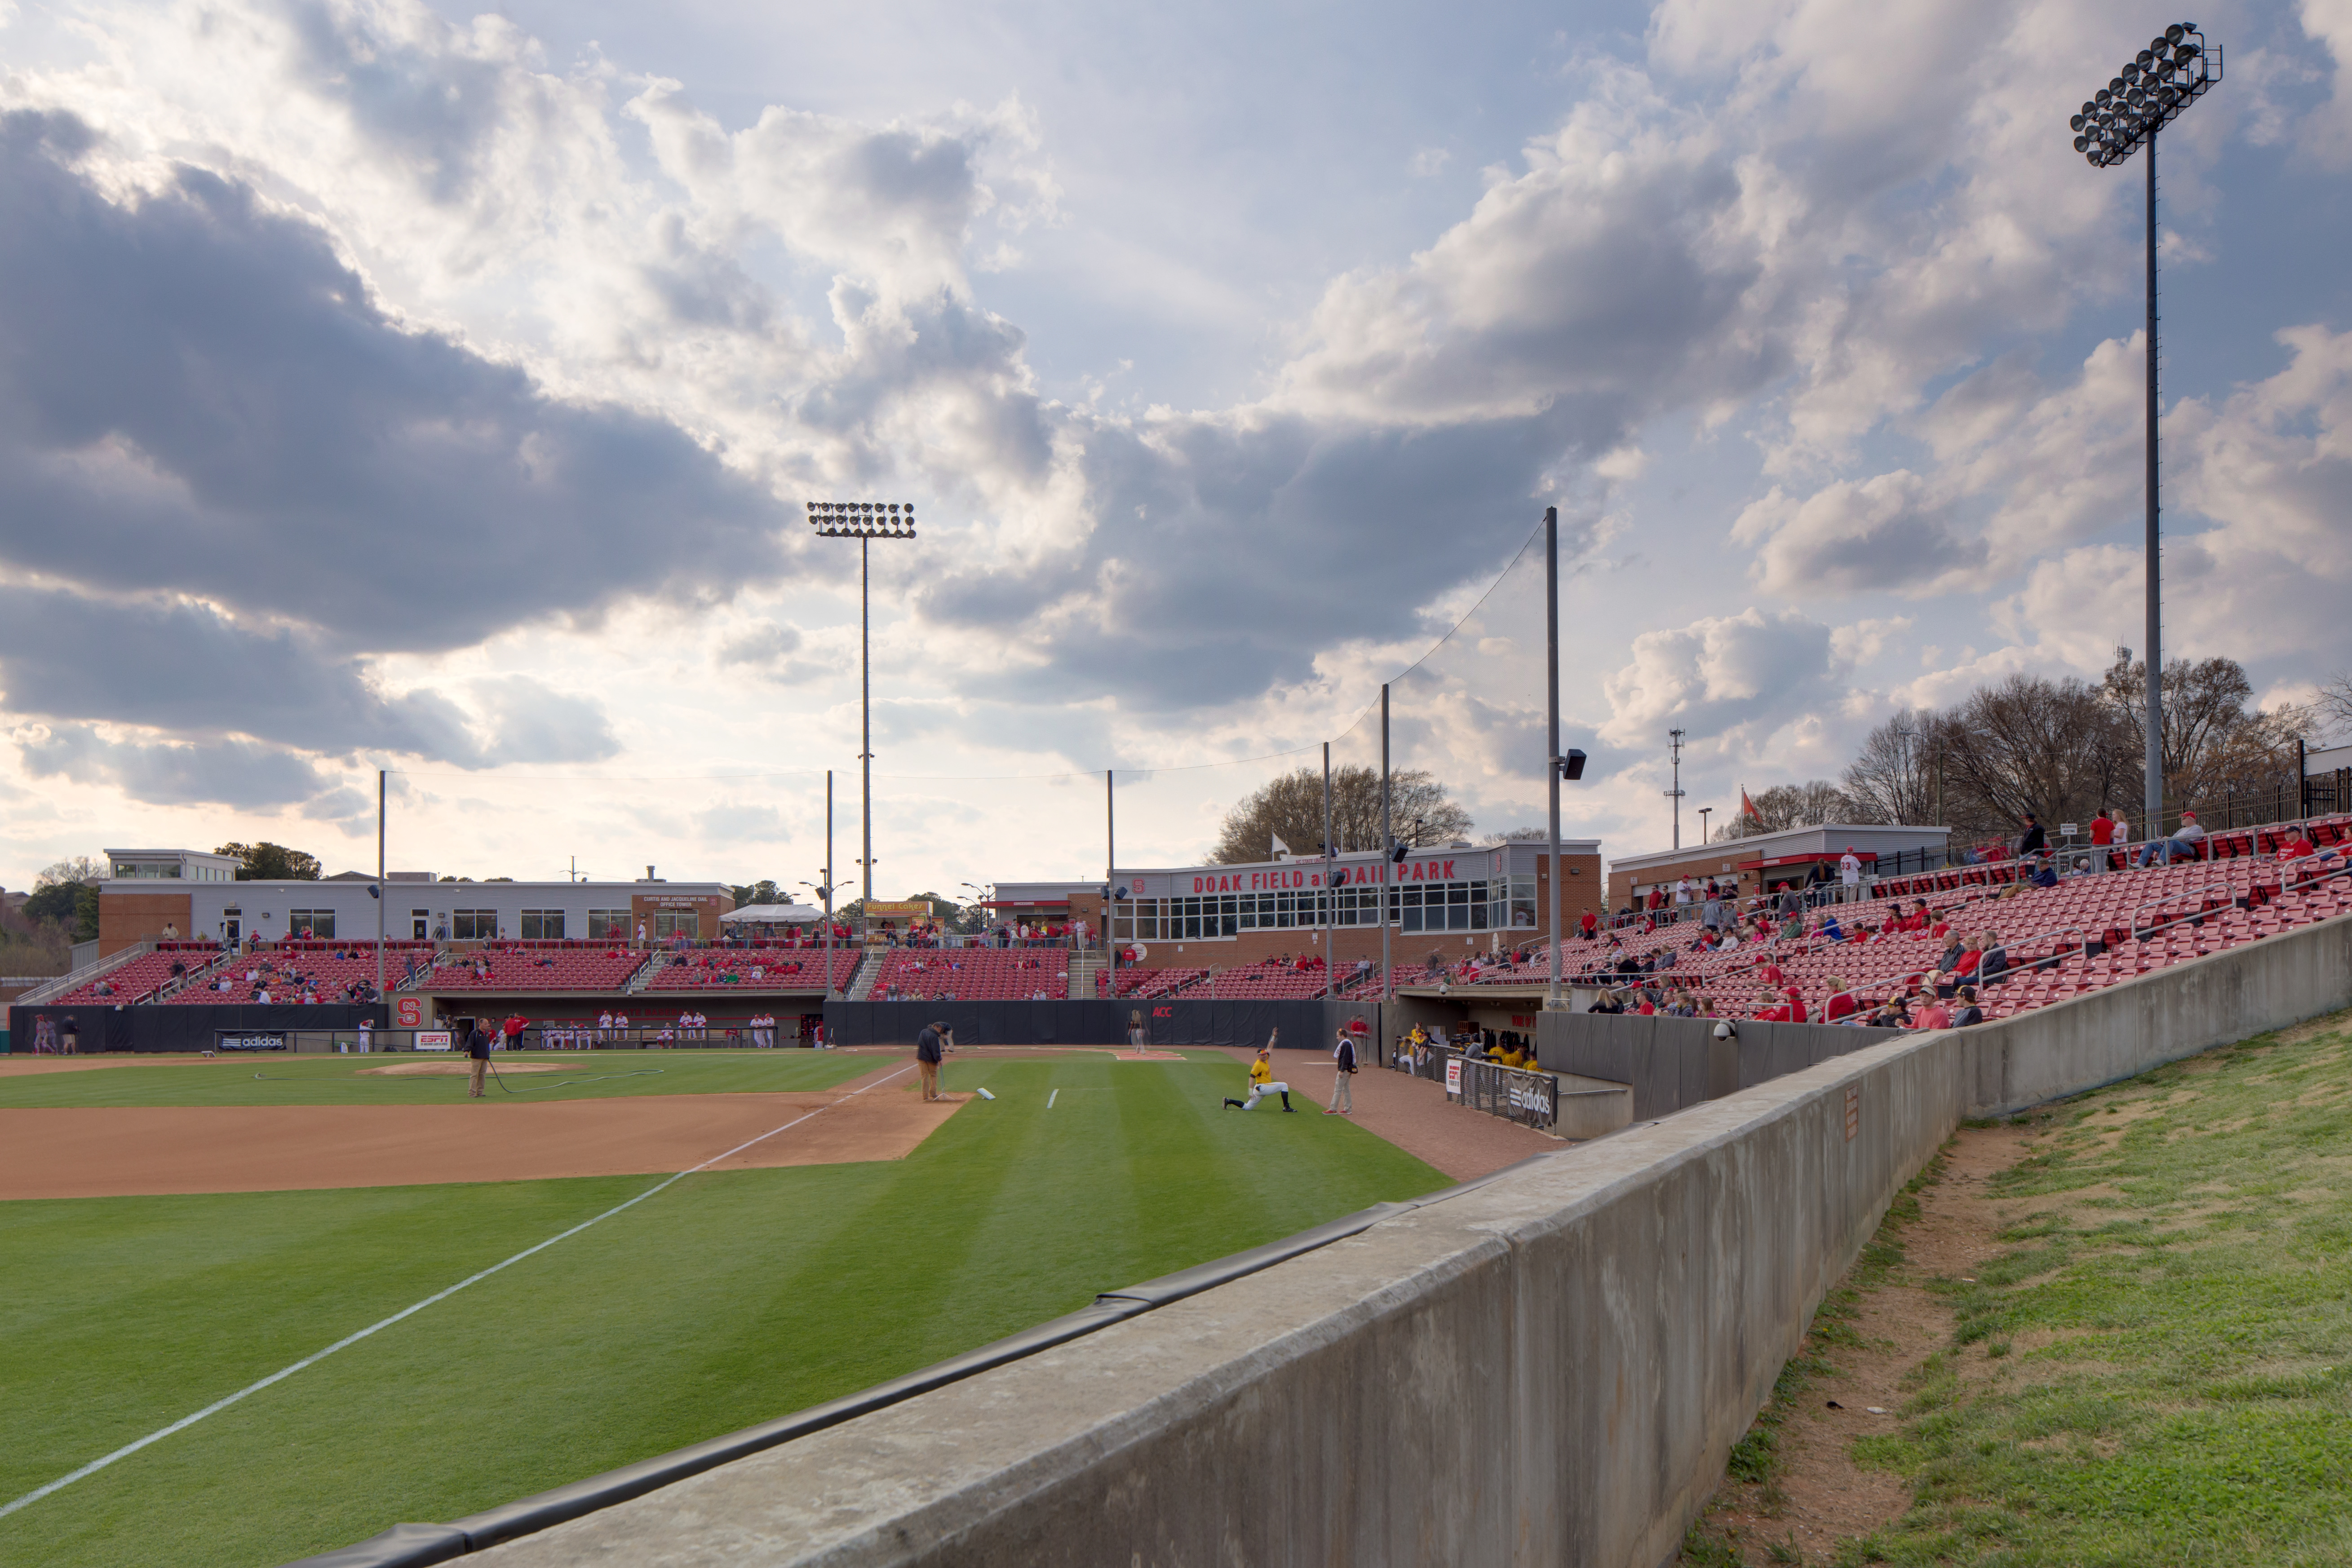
(1747, 808)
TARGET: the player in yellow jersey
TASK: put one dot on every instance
(1262, 1079)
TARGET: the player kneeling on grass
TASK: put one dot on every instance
(1262, 1079)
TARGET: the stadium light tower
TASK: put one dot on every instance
(1674, 750)
(2176, 70)
(863, 521)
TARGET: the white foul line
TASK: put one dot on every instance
(37, 1493)
(1051, 1098)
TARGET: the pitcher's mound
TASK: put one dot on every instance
(462, 1066)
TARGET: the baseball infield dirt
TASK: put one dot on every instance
(118, 1151)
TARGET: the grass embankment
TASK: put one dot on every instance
(269, 1079)
(2155, 1365)
(729, 1299)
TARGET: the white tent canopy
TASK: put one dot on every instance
(773, 915)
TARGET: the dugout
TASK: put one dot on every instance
(193, 1027)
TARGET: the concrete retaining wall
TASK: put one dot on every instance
(1548, 1369)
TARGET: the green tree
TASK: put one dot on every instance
(266, 862)
(70, 908)
(761, 892)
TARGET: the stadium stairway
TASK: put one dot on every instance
(641, 978)
(1086, 975)
(869, 970)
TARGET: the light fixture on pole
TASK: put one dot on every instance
(1674, 750)
(1703, 813)
(863, 521)
(2176, 70)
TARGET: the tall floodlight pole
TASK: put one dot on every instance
(1388, 858)
(1552, 749)
(2176, 70)
(1111, 879)
(1329, 902)
(827, 890)
(863, 521)
(1674, 750)
(380, 899)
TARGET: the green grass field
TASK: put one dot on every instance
(2158, 1369)
(274, 1080)
(729, 1299)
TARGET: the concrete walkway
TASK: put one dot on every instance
(1412, 1114)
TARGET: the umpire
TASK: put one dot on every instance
(478, 1046)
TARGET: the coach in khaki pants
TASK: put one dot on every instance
(934, 1043)
(478, 1046)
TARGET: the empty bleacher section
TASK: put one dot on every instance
(1275, 979)
(1145, 984)
(507, 967)
(974, 973)
(755, 968)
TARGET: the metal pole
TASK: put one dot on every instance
(1111, 879)
(1388, 969)
(828, 885)
(1329, 912)
(2155, 754)
(1551, 759)
(866, 711)
(382, 898)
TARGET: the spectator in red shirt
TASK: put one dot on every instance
(2296, 846)
(1589, 926)
(2103, 828)
(1841, 1003)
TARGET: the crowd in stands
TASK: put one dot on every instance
(320, 974)
(771, 968)
(1928, 951)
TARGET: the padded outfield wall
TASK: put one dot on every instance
(1551, 1368)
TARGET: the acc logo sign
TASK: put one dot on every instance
(409, 1012)
(1163, 1012)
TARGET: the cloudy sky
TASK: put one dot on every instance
(389, 385)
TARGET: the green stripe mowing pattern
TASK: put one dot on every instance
(730, 1298)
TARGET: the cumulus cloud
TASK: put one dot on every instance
(1734, 679)
(230, 772)
(1891, 530)
(211, 403)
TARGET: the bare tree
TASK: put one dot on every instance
(1519, 835)
(2333, 707)
(73, 868)
(2213, 747)
(2057, 749)
(1291, 808)
(1892, 778)
(1786, 806)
